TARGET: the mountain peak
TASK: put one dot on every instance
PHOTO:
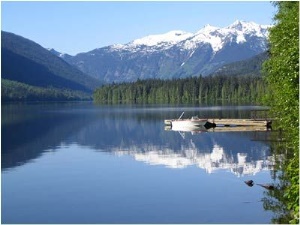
(238, 25)
(54, 52)
(245, 26)
(209, 27)
(165, 40)
(171, 37)
(212, 35)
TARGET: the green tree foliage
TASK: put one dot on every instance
(16, 91)
(211, 89)
(282, 76)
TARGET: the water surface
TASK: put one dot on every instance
(82, 163)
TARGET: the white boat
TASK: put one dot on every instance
(185, 123)
(192, 130)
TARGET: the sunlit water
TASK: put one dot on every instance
(81, 163)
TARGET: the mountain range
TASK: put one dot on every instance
(29, 68)
(176, 54)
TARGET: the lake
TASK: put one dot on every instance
(86, 163)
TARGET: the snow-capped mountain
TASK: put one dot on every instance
(215, 36)
(156, 42)
(174, 54)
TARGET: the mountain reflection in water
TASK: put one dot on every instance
(78, 163)
(217, 159)
(138, 133)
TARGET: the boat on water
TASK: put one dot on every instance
(185, 123)
(193, 130)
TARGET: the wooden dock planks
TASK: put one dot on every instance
(238, 122)
(238, 129)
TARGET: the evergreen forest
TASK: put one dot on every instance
(209, 89)
(17, 91)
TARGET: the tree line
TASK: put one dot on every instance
(16, 91)
(209, 89)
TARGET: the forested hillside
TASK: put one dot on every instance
(252, 66)
(229, 89)
(16, 91)
(26, 62)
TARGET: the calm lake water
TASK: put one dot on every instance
(82, 163)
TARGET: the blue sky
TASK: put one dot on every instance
(73, 27)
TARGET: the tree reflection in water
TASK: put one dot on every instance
(276, 200)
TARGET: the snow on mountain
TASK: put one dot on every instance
(250, 27)
(170, 38)
(157, 41)
(218, 37)
(208, 34)
(215, 36)
(175, 54)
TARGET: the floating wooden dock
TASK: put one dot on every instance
(239, 122)
(229, 125)
(238, 129)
